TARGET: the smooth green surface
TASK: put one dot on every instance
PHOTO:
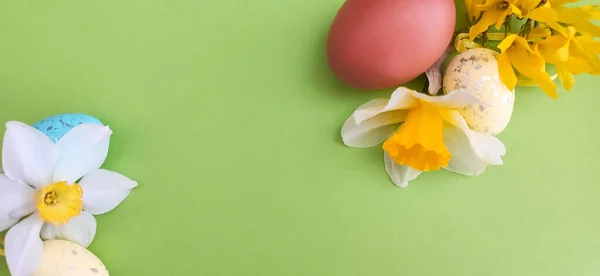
(228, 116)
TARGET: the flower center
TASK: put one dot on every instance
(59, 202)
(419, 143)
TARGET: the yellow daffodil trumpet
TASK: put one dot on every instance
(422, 133)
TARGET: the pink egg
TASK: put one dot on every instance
(377, 44)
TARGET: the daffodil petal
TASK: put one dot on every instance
(104, 190)
(28, 155)
(372, 131)
(454, 99)
(399, 174)
(506, 71)
(487, 147)
(23, 246)
(464, 160)
(402, 98)
(82, 150)
(16, 201)
(6, 222)
(369, 110)
(80, 230)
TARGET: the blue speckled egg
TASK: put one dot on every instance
(57, 126)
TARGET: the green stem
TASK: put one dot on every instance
(484, 39)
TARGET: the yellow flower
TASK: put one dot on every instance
(462, 43)
(432, 135)
(496, 11)
(579, 17)
(517, 52)
(421, 148)
(473, 11)
(60, 202)
(570, 54)
(52, 190)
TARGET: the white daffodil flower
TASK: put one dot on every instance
(41, 193)
(432, 135)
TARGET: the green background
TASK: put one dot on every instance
(228, 116)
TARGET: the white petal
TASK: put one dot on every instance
(28, 155)
(6, 222)
(369, 110)
(16, 201)
(401, 99)
(454, 99)
(434, 73)
(372, 123)
(23, 246)
(82, 150)
(487, 147)
(80, 230)
(104, 190)
(400, 174)
(464, 160)
(372, 131)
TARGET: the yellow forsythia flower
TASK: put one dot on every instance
(570, 54)
(462, 43)
(496, 11)
(517, 52)
(579, 17)
(473, 11)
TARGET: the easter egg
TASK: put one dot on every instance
(377, 44)
(476, 71)
(57, 126)
(65, 258)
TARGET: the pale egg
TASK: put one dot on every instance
(476, 71)
(64, 258)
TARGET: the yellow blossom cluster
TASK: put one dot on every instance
(551, 33)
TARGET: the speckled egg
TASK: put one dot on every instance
(65, 258)
(57, 126)
(476, 71)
